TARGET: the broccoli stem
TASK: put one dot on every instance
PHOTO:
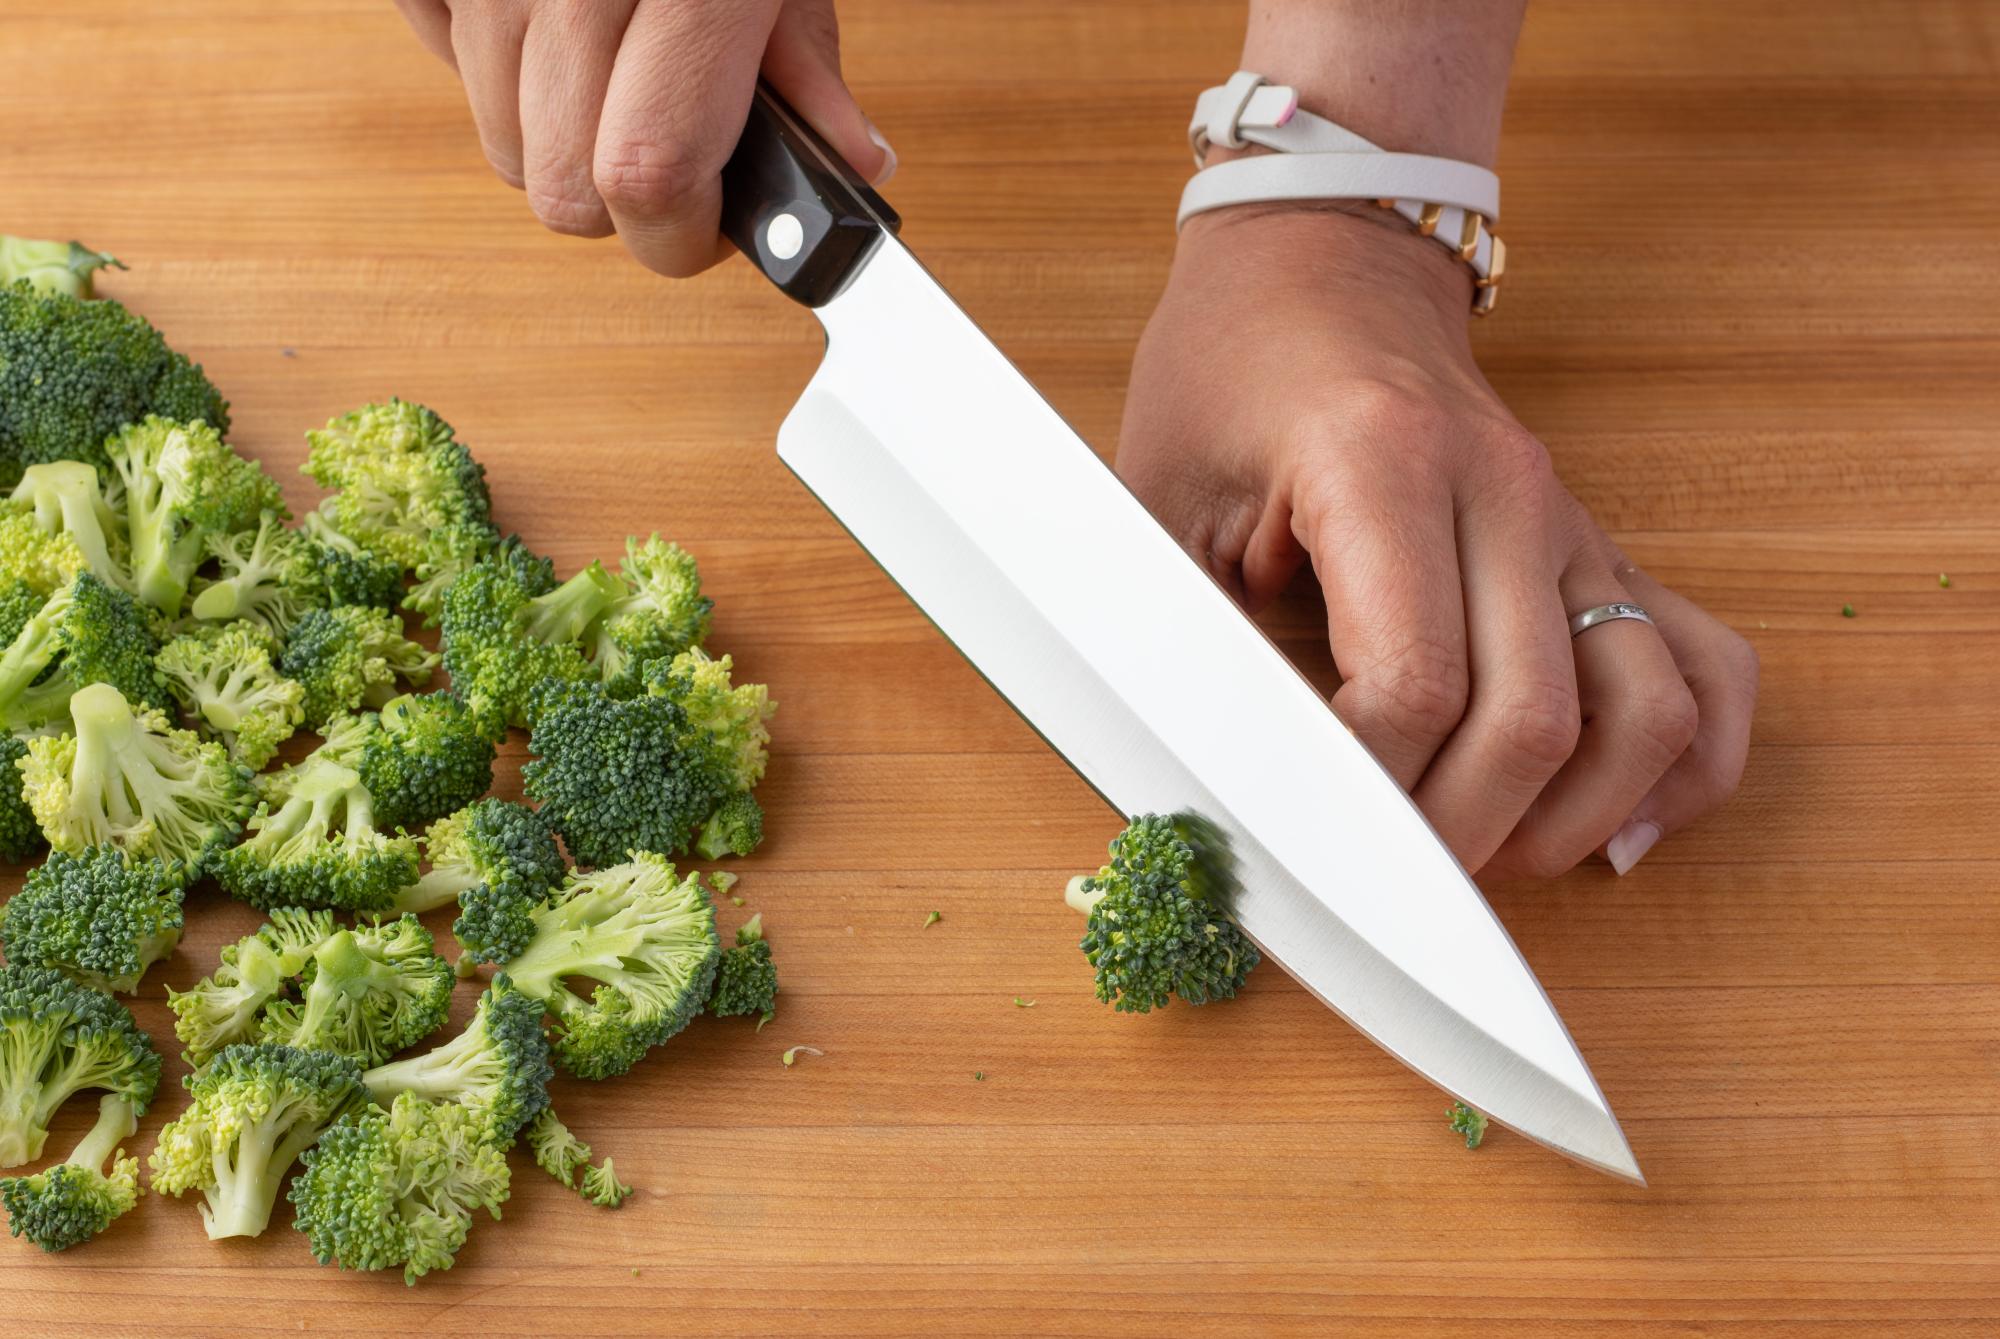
(438, 1075)
(21, 1137)
(341, 969)
(437, 888)
(1081, 899)
(117, 1119)
(566, 613)
(240, 1202)
(220, 602)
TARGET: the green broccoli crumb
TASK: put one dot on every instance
(1468, 1122)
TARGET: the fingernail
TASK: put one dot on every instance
(888, 156)
(1631, 842)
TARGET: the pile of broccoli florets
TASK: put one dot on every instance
(195, 687)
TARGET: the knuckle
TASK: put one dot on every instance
(1380, 411)
(1662, 723)
(644, 180)
(1718, 774)
(1535, 729)
(1537, 856)
(1420, 695)
(567, 205)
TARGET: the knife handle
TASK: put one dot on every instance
(795, 208)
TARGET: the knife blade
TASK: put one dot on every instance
(1028, 554)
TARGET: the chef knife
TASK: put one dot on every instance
(976, 498)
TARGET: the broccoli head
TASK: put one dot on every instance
(349, 657)
(499, 861)
(663, 614)
(402, 477)
(129, 779)
(250, 1114)
(320, 848)
(557, 1151)
(269, 575)
(20, 835)
(397, 1188)
(746, 982)
(73, 372)
(50, 268)
(100, 917)
(499, 1065)
(726, 721)
(348, 573)
(736, 827)
(224, 1009)
(223, 678)
(85, 633)
(183, 488)
(645, 937)
(1157, 927)
(68, 1204)
(366, 992)
(601, 1186)
(58, 1038)
(503, 641)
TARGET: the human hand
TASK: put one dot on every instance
(618, 115)
(1306, 391)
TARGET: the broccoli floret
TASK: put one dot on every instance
(1157, 927)
(223, 1009)
(601, 1186)
(746, 982)
(349, 657)
(100, 917)
(251, 1112)
(183, 489)
(663, 615)
(366, 992)
(1467, 1122)
(58, 1038)
(645, 936)
(617, 775)
(269, 575)
(73, 372)
(127, 778)
(557, 1151)
(403, 479)
(502, 641)
(320, 848)
(20, 835)
(57, 521)
(735, 828)
(420, 757)
(499, 1065)
(448, 555)
(53, 267)
(348, 573)
(397, 1188)
(499, 861)
(85, 633)
(726, 720)
(68, 1204)
(224, 678)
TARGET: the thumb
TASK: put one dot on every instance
(802, 62)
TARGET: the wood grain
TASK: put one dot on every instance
(1752, 310)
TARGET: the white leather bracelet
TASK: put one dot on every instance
(1455, 204)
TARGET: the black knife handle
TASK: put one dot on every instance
(795, 208)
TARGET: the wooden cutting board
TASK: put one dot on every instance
(1751, 307)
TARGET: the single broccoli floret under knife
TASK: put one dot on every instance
(349, 656)
(320, 848)
(1467, 1122)
(503, 640)
(746, 982)
(366, 992)
(225, 679)
(224, 1009)
(726, 729)
(251, 1112)
(58, 1038)
(662, 614)
(397, 1188)
(499, 1065)
(100, 917)
(73, 372)
(645, 938)
(1157, 928)
(127, 778)
(498, 860)
(85, 633)
(53, 267)
(68, 1204)
(183, 487)
(64, 501)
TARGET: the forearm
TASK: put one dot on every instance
(1414, 76)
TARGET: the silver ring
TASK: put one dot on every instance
(1605, 613)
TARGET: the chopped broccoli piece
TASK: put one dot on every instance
(1468, 1122)
(349, 573)
(99, 917)
(498, 1065)
(223, 1009)
(349, 657)
(614, 775)
(224, 678)
(63, 501)
(320, 848)
(601, 1186)
(499, 861)
(366, 992)
(397, 1188)
(68, 1204)
(73, 372)
(1157, 928)
(791, 1057)
(127, 778)
(645, 937)
(727, 720)
(557, 1151)
(746, 982)
(735, 828)
(663, 615)
(251, 1112)
(58, 1038)
(269, 575)
(183, 488)
(85, 633)
(20, 835)
(51, 268)
(403, 479)
(503, 639)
